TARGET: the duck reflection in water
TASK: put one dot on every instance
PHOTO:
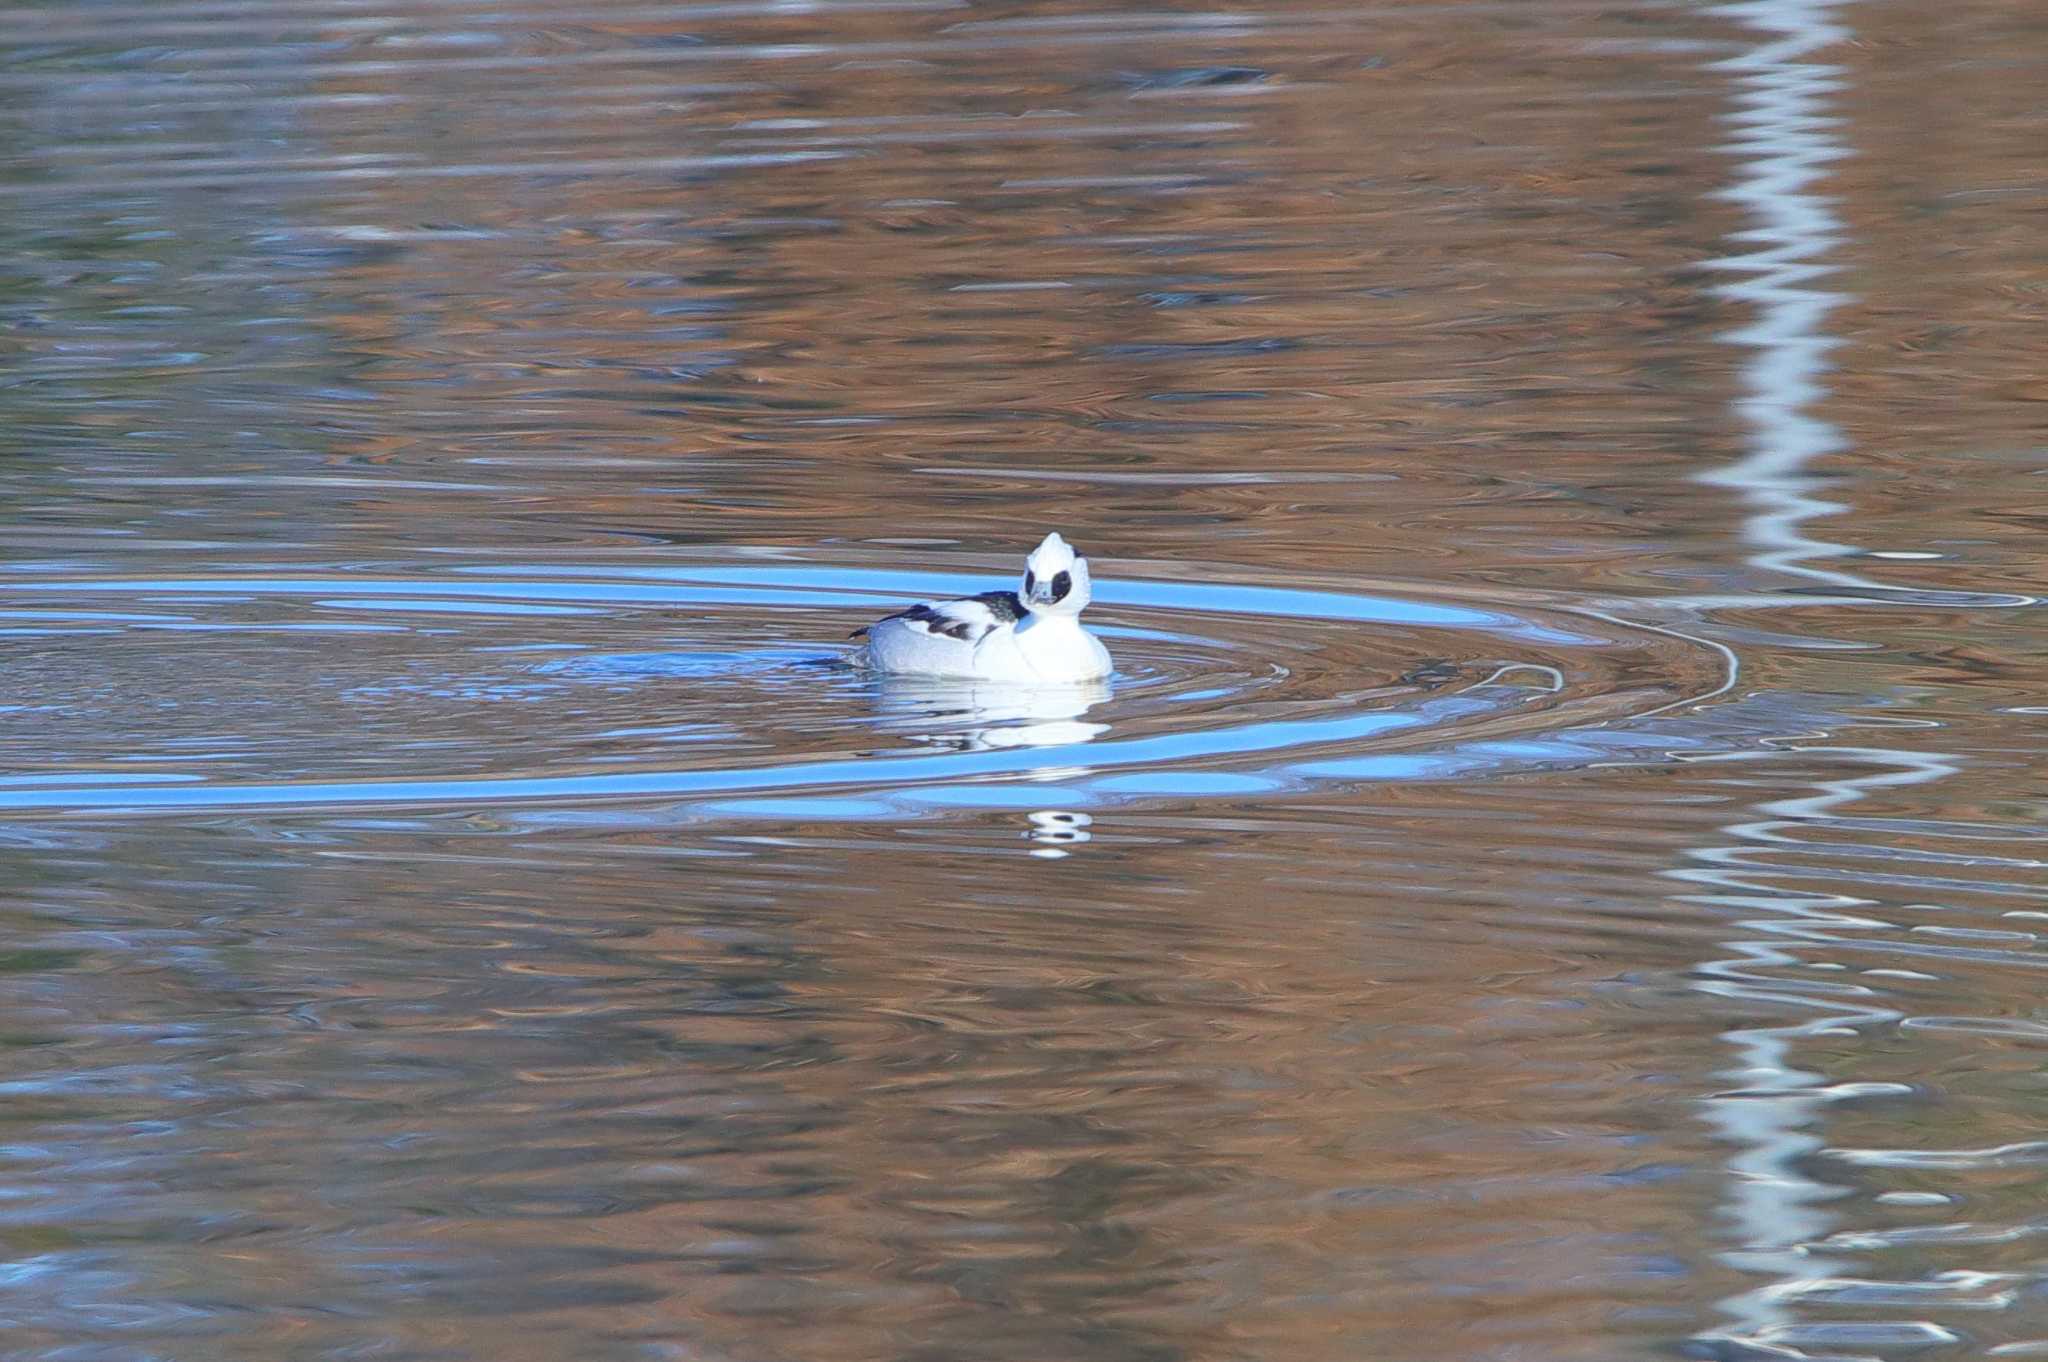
(981, 716)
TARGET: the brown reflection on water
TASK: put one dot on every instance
(1719, 1038)
(864, 1100)
(1256, 255)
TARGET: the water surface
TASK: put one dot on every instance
(1557, 873)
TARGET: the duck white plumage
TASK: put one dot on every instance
(1028, 637)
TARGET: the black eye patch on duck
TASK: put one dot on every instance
(1061, 585)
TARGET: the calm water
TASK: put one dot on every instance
(1558, 874)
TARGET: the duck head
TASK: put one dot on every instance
(1055, 579)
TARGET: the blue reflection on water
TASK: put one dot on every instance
(1163, 749)
(807, 586)
(996, 738)
(1219, 597)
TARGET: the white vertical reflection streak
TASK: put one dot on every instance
(1784, 139)
(1774, 1205)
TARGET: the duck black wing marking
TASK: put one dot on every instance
(968, 619)
(1006, 606)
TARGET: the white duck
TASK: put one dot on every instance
(1028, 637)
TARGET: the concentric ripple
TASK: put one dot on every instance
(725, 690)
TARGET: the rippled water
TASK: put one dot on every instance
(1557, 873)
